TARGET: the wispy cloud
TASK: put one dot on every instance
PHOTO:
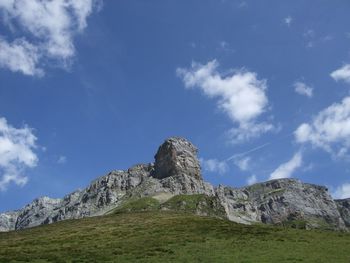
(51, 25)
(287, 169)
(252, 180)
(288, 20)
(225, 47)
(241, 95)
(309, 36)
(342, 74)
(303, 89)
(214, 166)
(16, 154)
(62, 159)
(342, 192)
(243, 163)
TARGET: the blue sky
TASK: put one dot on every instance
(88, 86)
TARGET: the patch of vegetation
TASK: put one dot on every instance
(298, 224)
(137, 205)
(163, 236)
(276, 191)
(197, 204)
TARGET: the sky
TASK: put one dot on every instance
(89, 86)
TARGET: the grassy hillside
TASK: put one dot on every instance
(156, 236)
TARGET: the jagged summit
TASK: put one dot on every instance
(177, 172)
(176, 156)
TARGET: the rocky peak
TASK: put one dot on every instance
(175, 157)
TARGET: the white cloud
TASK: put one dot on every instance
(288, 20)
(303, 89)
(19, 56)
(51, 25)
(241, 95)
(252, 180)
(342, 74)
(329, 130)
(62, 159)
(214, 165)
(16, 153)
(242, 163)
(286, 170)
(342, 192)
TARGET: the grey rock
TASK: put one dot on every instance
(344, 210)
(100, 196)
(177, 156)
(32, 214)
(187, 184)
(8, 221)
(282, 201)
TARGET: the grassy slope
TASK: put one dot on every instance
(194, 204)
(170, 237)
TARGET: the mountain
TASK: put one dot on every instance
(174, 182)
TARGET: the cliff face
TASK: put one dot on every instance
(282, 202)
(176, 171)
(344, 209)
(177, 157)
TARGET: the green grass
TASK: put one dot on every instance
(163, 236)
(138, 205)
(194, 204)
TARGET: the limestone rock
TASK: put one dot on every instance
(32, 214)
(344, 210)
(8, 221)
(282, 201)
(177, 156)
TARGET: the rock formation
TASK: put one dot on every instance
(282, 202)
(344, 209)
(177, 157)
(176, 171)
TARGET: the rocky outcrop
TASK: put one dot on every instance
(177, 157)
(282, 202)
(176, 172)
(8, 221)
(344, 210)
(100, 196)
